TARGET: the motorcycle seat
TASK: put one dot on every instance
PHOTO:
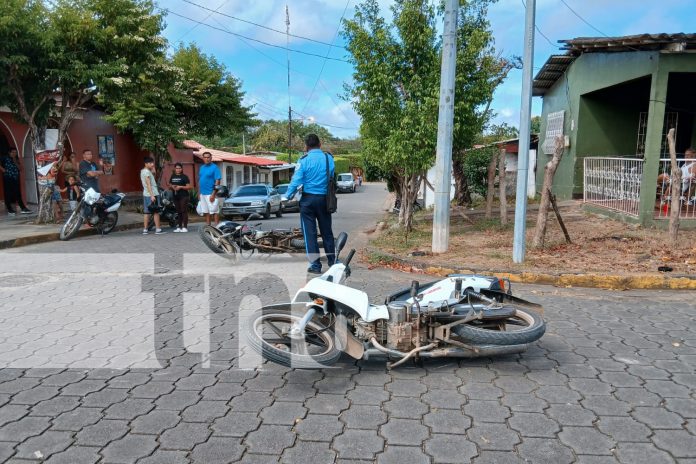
(111, 199)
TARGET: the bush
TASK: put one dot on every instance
(475, 165)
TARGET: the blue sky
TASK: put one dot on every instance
(314, 93)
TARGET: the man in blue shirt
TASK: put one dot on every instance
(208, 180)
(311, 175)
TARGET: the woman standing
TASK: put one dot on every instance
(180, 184)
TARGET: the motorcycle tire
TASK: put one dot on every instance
(211, 236)
(307, 356)
(173, 220)
(532, 328)
(109, 223)
(71, 226)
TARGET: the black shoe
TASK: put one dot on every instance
(314, 270)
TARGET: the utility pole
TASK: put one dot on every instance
(445, 126)
(287, 51)
(518, 245)
(243, 144)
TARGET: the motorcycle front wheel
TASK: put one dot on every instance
(214, 240)
(109, 223)
(71, 226)
(525, 326)
(267, 332)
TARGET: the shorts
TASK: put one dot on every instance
(56, 196)
(73, 204)
(205, 206)
(147, 202)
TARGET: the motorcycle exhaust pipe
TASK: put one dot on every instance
(482, 351)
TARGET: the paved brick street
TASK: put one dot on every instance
(613, 379)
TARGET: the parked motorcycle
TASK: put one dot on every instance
(97, 210)
(167, 210)
(234, 239)
(463, 316)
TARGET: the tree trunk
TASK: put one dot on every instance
(676, 181)
(503, 187)
(549, 172)
(462, 194)
(490, 194)
(409, 193)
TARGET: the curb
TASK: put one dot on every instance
(55, 236)
(564, 279)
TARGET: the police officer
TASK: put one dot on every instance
(311, 175)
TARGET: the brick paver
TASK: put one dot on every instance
(613, 380)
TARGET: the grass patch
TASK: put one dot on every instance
(376, 257)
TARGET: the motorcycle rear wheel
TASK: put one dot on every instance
(213, 239)
(71, 226)
(109, 223)
(527, 327)
(266, 332)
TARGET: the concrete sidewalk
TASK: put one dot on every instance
(20, 230)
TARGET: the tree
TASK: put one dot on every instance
(479, 72)
(395, 91)
(189, 95)
(536, 125)
(272, 135)
(58, 59)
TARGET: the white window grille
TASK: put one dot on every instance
(554, 128)
(229, 173)
(671, 121)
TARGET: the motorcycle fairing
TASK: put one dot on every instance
(354, 299)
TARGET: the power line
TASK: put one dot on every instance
(168, 11)
(260, 25)
(583, 19)
(323, 64)
(539, 30)
(196, 25)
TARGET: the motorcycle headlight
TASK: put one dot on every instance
(257, 203)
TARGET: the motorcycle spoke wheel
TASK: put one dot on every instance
(214, 240)
(71, 226)
(267, 332)
(525, 326)
(109, 223)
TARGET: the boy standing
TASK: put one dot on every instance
(150, 196)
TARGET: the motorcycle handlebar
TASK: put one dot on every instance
(349, 257)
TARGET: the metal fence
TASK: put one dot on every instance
(613, 183)
(687, 197)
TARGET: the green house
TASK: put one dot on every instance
(613, 100)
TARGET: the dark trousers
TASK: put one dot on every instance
(182, 208)
(13, 194)
(313, 211)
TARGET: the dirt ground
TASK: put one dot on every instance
(599, 245)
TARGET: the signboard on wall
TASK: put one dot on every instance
(107, 153)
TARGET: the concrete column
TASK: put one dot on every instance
(653, 144)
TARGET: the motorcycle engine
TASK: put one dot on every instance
(397, 333)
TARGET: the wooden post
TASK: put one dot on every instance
(549, 172)
(490, 193)
(558, 216)
(675, 192)
(503, 186)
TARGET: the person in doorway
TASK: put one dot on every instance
(12, 179)
(150, 196)
(209, 177)
(312, 176)
(69, 167)
(180, 184)
(73, 192)
(89, 172)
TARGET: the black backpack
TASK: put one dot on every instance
(331, 200)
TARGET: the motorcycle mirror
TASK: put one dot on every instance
(341, 242)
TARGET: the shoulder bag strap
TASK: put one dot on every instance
(328, 174)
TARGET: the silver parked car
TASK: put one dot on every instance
(345, 183)
(289, 205)
(253, 198)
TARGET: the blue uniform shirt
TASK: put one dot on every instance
(311, 174)
(207, 175)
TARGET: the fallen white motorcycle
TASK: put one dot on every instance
(463, 315)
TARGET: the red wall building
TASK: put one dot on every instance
(83, 134)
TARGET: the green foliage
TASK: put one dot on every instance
(536, 125)
(272, 135)
(497, 133)
(475, 168)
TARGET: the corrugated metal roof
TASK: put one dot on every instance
(556, 65)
